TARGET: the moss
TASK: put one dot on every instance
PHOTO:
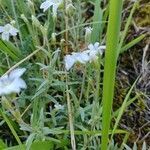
(142, 17)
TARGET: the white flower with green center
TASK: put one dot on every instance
(12, 83)
(7, 31)
(54, 3)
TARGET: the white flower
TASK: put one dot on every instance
(70, 60)
(54, 3)
(58, 106)
(83, 57)
(12, 83)
(7, 31)
(94, 50)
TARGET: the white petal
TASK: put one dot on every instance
(46, 5)
(12, 88)
(4, 78)
(5, 36)
(92, 55)
(100, 51)
(1, 29)
(87, 51)
(15, 86)
(8, 25)
(102, 47)
(81, 57)
(7, 28)
(16, 73)
(58, 106)
(2, 87)
(90, 47)
(88, 30)
(12, 83)
(69, 61)
(85, 57)
(5, 91)
(96, 45)
(13, 31)
(20, 83)
(2, 91)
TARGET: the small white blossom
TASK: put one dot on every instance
(7, 31)
(97, 48)
(94, 50)
(54, 3)
(70, 9)
(12, 83)
(58, 106)
(70, 60)
(83, 57)
(88, 30)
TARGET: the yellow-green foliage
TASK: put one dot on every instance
(143, 16)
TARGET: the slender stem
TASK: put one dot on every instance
(66, 27)
(16, 19)
(73, 143)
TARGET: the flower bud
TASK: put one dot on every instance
(70, 9)
(62, 42)
(88, 32)
(35, 21)
(24, 18)
(53, 38)
(30, 4)
(13, 22)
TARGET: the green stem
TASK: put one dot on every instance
(115, 8)
(17, 23)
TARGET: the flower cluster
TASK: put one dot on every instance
(12, 83)
(86, 56)
(7, 31)
(54, 3)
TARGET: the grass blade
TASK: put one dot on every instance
(97, 18)
(11, 127)
(123, 107)
(110, 66)
(132, 43)
(127, 26)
